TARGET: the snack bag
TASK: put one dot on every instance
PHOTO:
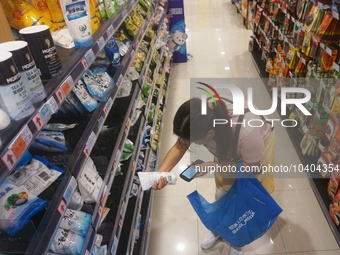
(42, 7)
(95, 15)
(21, 14)
(56, 13)
(17, 207)
(77, 221)
(83, 95)
(90, 182)
(332, 186)
(109, 8)
(67, 242)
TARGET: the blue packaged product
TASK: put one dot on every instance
(50, 141)
(25, 159)
(77, 221)
(99, 250)
(67, 242)
(104, 80)
(83, 95)
(73, 104)
(92, 86)
(17, 207)
(112, 53)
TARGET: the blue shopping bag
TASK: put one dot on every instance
(242, 215)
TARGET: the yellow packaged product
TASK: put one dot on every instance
(56, 13)
(20, 14)
(42, 7)
(94, 15)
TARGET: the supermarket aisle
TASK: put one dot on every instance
(218, 42)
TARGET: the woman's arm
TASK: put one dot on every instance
(171, 159)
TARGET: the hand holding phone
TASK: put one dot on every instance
(190, 172)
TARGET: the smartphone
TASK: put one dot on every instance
(190, 173)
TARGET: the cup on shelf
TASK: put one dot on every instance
(44, 52)
(27, 68)
(14, 98)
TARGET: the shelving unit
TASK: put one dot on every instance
(265, 42)
(21, 134)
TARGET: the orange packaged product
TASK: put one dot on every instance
(334, 208)
(333, 184)
(20, 14)
(56, 13)
(336, 103)
(41, 6)
(327, 59)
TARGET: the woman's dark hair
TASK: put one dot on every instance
(189, 124)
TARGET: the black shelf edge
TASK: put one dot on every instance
(124, 201)
(51, 220)
(116, 154)
(17, 141)
(131, 241)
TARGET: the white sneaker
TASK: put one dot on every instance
(209, 241)
(235, 251)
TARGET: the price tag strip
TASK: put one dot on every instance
(17, 148)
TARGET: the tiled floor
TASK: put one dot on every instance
(218, 42)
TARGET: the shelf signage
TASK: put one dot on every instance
(71, 187)
(110, 31)
(38, 121)
(101, 43)
(9, 159)
(62, 207)
(90, 57)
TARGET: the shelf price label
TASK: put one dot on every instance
(21, 142)
(90, 57)
(105, 195)
(133, 168)
(62, 207)
(120, 80)
(118, 154)
(71, 187)
(90, 143)
(53, 104)
(335, 12)
(127, 125)
(17, 148)
(38, 121)
(64, 89)
(84, 63)
(9, 159)
(110, 31)
(100, 122)
(108, 106)
(101, 43)
(328, 51)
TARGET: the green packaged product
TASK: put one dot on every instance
(132, 29)
(119, 3)
(151, 112)
(155, 58)
(146, 4)
(144, 46)
(146, 89)
(119, 170)
(109, 8)
(140, 10)
(128, 146)
(135, 19)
